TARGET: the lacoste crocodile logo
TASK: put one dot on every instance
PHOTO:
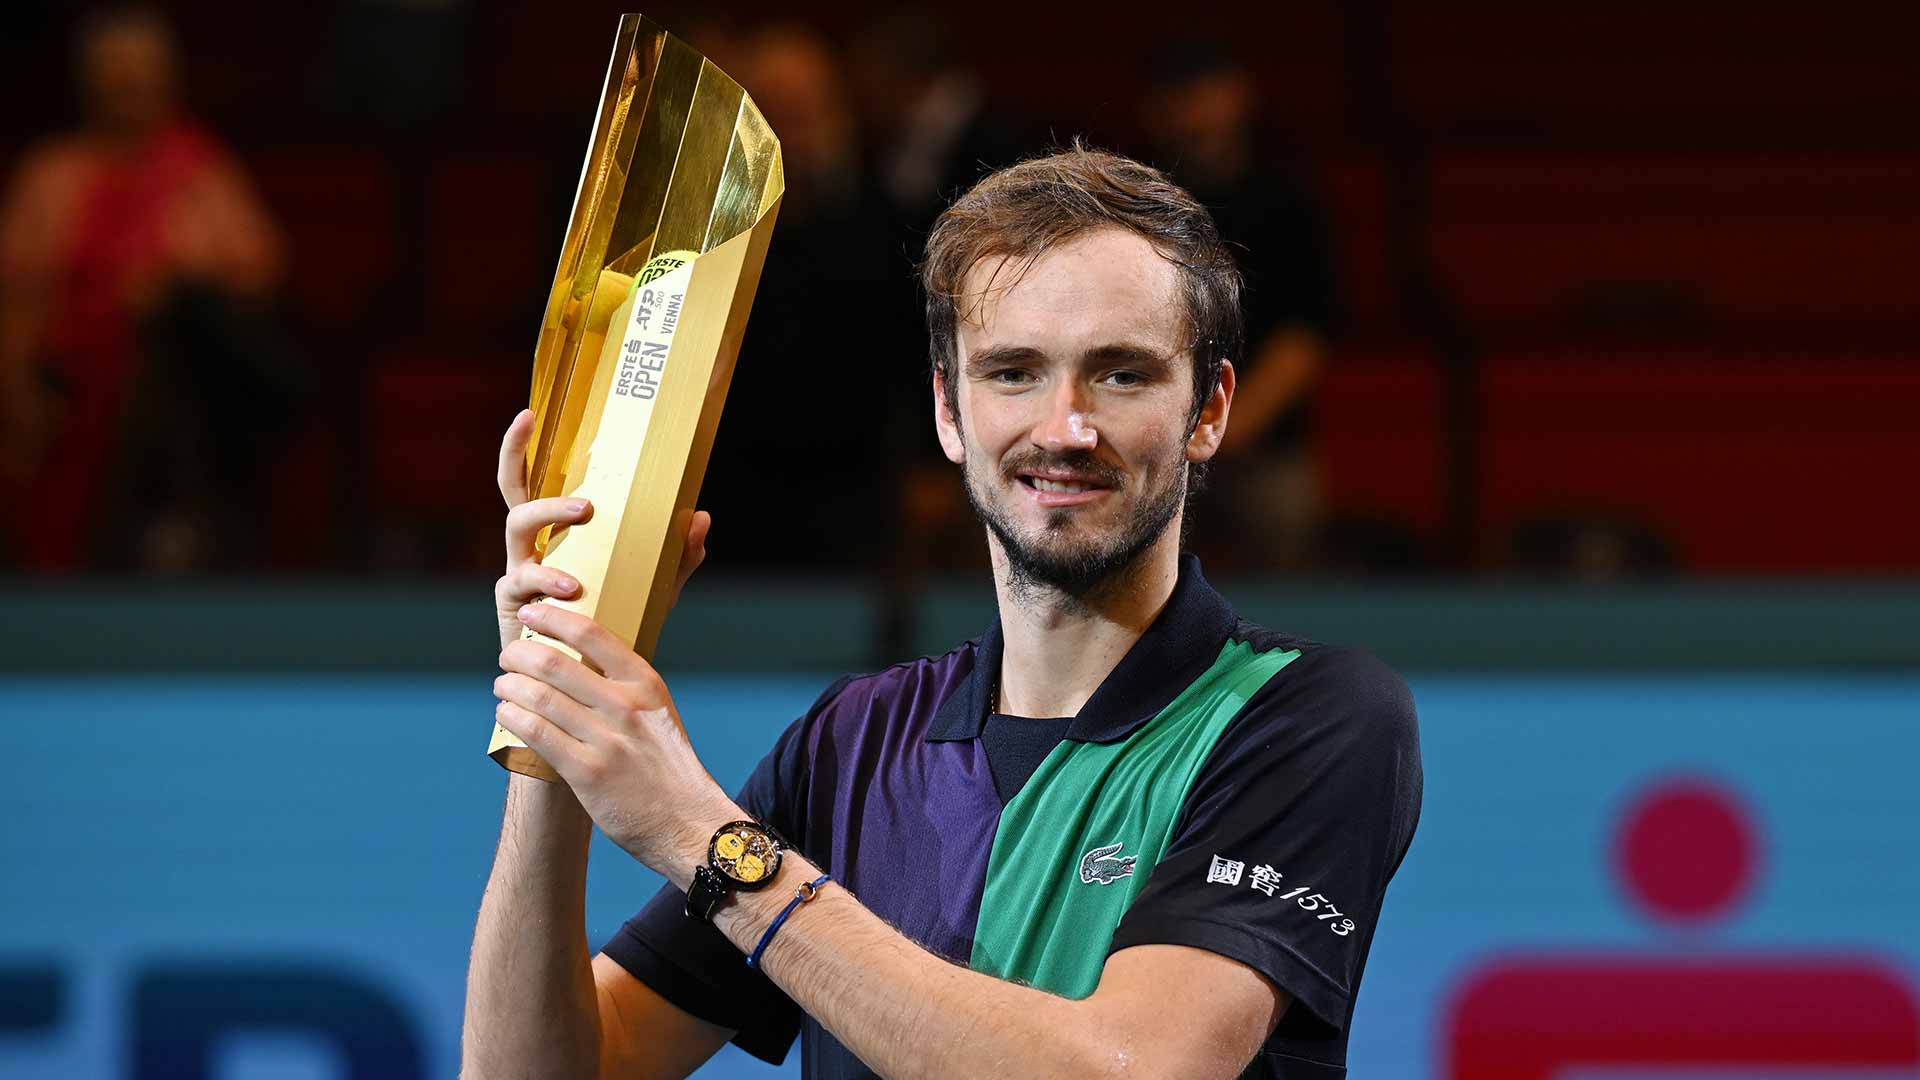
(1100, 867)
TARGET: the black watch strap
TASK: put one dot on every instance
(705, 892)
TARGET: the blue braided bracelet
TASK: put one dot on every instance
(800, 896)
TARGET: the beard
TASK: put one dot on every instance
(1055, 558)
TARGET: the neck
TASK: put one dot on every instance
(1059, 647)
(128, 138)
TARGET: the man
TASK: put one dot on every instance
(1121, 834)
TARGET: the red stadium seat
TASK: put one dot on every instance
(303, 497)
(1383, 441)
(337, 206)
(1526, 241)
(1715, 75)
(489, 262)
(1355, 191)
(1745, 461)
(434, 417)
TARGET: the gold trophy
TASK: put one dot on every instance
(662, 256)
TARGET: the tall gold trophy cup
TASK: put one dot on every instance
(662, 256)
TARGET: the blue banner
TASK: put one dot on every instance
(273, 878)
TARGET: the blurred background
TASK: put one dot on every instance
(1581, 386)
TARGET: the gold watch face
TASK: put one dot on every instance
(745, 853)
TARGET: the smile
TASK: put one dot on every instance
(1041, 483)
(1053, 491)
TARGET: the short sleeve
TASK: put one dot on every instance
(1290, 833)
(691, 963)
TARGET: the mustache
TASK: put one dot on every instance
(1081, 462)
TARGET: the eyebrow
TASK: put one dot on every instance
(1122, 352)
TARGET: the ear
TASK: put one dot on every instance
(945, 425)
(1212, 427)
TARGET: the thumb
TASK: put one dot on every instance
(695, 551)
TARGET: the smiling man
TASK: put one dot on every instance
(1122, 833)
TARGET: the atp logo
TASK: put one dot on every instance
(1100, 867)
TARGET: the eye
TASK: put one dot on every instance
(1124, 378)
(1010, 377)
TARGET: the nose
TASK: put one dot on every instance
(1068, 422)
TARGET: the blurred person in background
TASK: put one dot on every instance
(138, 374)
(1203, 120)
(808, 387)
(933, 134)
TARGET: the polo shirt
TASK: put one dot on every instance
(1227, 788)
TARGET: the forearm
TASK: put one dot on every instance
(903, 1010)
(531, 1005)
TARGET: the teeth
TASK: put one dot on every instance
(1044, 484)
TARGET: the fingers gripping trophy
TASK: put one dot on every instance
(662, 256)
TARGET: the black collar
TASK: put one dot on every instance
(1182, 643)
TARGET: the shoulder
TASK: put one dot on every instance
(1334, 732)
(1337, 691)
(911, 686)
(65, 151)
(856, 718)
(54, 163)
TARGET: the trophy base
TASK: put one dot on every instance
(524, 761)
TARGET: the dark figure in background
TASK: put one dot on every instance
(796, 479)
(933, 134)
(1202, 115)
(136, 374)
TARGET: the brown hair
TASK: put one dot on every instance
(1024, 210)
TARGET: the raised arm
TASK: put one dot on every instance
(533, 1007)
(536, 1006)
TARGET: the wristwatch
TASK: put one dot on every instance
(742, 855)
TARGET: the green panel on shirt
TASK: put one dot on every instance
(1042, 921)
